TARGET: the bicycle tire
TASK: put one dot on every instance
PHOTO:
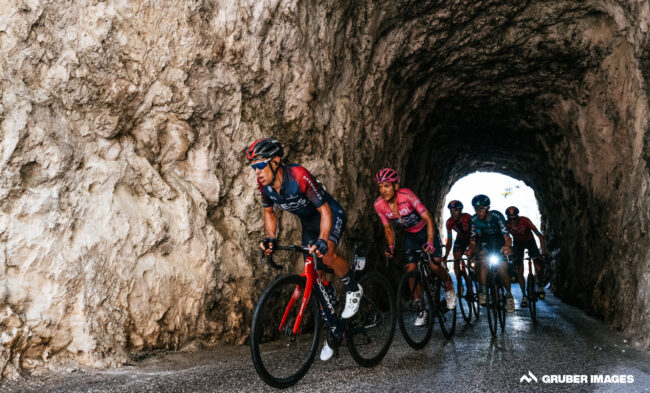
(492, 305)
(501, 293)
(446, 317)
(269, 344)
(465, 300)
(532, 297)
(476, 308)
(371, 330)
(416, 337)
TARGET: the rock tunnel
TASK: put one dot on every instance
(129, 213)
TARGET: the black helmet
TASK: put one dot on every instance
(481, 201)
(512, 212)
(458, 205)
(264, 148)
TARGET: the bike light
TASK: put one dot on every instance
(494, 259)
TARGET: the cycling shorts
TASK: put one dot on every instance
(414, 242)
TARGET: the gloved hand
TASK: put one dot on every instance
(321, 246)
(390, 251)
(268, 245)
(428, 247)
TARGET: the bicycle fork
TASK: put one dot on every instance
(327, 309)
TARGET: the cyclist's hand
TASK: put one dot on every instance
(428, 247)
(320, 247)
(506, 250)
(469, 252)
(390, 251)
(268, 244)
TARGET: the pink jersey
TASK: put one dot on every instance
(410, 211)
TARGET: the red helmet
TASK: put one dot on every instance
(387, 175)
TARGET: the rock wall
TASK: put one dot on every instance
(127, 212)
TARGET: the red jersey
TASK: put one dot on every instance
(410, 211)
(463, 227)
(522, 229)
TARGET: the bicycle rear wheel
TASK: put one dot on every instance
(532, 297)
(415, 319)
(476, 309)
(446, 317)
(371, 330)
(492, 305)
(280, 357)
(464, 299)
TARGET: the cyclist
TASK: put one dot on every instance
(490, 236)
(522, 229)
(462, 224)
(294, 189)
(401, 207)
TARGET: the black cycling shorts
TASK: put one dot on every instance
(311, 226)
(460, 244)
(518, 251)
(414, 242)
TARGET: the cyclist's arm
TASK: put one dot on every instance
(447, 247)
(431, 229)
(389, 234)
(270, 222)
(542, 241)
(325, 221)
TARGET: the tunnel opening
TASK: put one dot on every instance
(504, 191)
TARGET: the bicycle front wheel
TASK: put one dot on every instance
(532, 297)
(492, 305)
(414, 308)
(371, 330)
(474, 295)
(502, 306)
(446, 316)
(281, 357)
(464, 297)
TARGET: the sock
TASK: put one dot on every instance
(349, 281)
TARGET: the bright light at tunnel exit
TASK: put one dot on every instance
(504, 191)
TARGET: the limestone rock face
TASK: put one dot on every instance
(128, 214)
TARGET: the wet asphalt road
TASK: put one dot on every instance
(565, 341)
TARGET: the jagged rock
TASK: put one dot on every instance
(127, 212)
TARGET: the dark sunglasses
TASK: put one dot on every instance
(262, 164)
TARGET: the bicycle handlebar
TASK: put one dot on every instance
(290, 247)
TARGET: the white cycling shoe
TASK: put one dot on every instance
(352, 302)
(451, 299)
(327, 352)
(421, 320)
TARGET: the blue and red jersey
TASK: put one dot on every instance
(300, 193)
(463, 227)
(410, 211)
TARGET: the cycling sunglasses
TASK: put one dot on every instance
(262, 164)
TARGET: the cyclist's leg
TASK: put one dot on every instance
(518, 257)
(533, 253)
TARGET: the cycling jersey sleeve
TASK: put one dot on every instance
(380, 213)
(449, 223)
(266, 201)
(474, 231)
(310, 187)
(529, 224)
(466, 222)
(415, 202)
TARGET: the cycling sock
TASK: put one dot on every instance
(349, 281)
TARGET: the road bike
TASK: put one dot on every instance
(468, 298)
(286, 327)
(421, 298)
